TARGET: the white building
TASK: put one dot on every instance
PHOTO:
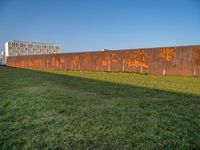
(1, 58)
(20, 48)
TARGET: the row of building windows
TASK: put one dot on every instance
(23, 48)
(20, 48)
(26, 45)
(16, 53)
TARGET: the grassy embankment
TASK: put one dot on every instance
(97, 110)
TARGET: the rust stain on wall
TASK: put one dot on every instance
(108, 58)
(196, 60)
(137, 59)
(167, 54)
(75, 63)
(180, 60)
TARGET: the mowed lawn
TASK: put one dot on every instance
(97, 110)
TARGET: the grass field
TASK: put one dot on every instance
(97, 110)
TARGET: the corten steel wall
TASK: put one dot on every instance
(180, 60)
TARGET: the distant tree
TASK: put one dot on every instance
(167, 54)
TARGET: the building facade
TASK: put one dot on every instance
(176, 60)
(21, 48)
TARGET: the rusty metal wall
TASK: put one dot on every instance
(181, 60)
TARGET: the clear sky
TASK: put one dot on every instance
(80, 25)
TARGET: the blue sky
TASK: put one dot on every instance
(82, 25)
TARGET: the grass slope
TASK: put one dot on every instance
(97, 110)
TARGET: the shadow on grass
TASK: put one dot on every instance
(75, 112)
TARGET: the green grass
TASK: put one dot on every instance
(97, 110)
